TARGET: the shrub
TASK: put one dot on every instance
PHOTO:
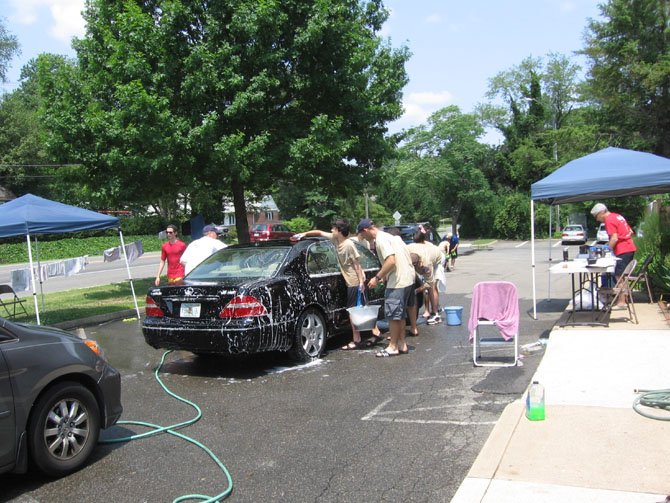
(143, 225)
(71, 246)
(299, 224)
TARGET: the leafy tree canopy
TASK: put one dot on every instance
(219, 99)
(9, 47)
(629, 72)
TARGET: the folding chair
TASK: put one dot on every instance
(622, 288)
(494, 304)
(642, 276)
(13, 302)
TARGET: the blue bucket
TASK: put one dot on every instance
(454, 315)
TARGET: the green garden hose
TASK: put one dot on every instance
(655, 399)
(157, 429)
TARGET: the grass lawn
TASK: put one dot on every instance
(84, 302)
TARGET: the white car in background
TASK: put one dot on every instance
(574, 233)
(602, 236)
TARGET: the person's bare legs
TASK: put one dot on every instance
(397, 333)
(412, 312)
(434, 299)
(402, 340)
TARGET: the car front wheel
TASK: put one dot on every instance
(63, 429)
(310, 336)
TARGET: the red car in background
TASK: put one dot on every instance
(268, 231)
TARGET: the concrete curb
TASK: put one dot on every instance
(98, 319)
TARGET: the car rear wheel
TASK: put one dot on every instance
(310, 336)
(63, 428)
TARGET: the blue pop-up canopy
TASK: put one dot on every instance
(610, 172)
(30, 215)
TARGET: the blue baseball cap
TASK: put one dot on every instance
(366, 223)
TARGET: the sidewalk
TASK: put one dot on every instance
(592, 446)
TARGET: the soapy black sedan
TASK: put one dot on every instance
(56, 392)
(251, 298)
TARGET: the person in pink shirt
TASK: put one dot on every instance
(171, 252)
(620, 239)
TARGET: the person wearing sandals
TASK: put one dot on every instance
(348, 259)
(431, 258)
(398, 273)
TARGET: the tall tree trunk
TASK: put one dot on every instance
(241, 223)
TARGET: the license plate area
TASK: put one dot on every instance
(189, 310)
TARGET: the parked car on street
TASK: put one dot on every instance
(56, 392)
(407, 231)
(574, 233)
(250, 298)
(268, 231)
(601, 235)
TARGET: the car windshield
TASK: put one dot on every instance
(234, 262)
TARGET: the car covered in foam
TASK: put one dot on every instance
(252, 298)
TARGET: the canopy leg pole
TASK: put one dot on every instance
(549, 270)
(130, 277)
(32, 279)
(532, 254)
(39, 268)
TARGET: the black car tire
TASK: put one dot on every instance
(309, 340)
(82, 431)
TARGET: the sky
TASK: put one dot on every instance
(457, 46)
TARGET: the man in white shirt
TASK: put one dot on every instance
(201, 248)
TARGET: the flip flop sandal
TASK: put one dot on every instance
(353, 345)
(404, 352)
(385, 354)
(373, 341)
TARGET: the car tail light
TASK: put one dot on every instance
(152, 308)
(243, 306)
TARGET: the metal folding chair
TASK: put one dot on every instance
(12, 302)
(503, 317)
(622, 288)
(642, 276)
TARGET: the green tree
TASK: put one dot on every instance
(440, 171)
(9, 47)
(25, 163)
(224, 99)
(629, 72)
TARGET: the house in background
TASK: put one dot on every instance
(265, 210)
(6, 195)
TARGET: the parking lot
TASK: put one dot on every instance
(349, 427)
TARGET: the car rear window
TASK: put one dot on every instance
(574, 228)
(240, 263)
(259, 227)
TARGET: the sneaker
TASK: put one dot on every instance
(434, 320)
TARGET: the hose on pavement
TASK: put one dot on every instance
(158, 429)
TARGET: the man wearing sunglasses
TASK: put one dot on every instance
(171, 251)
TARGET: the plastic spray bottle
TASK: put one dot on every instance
(535, 402)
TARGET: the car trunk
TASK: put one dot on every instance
(196, 301)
